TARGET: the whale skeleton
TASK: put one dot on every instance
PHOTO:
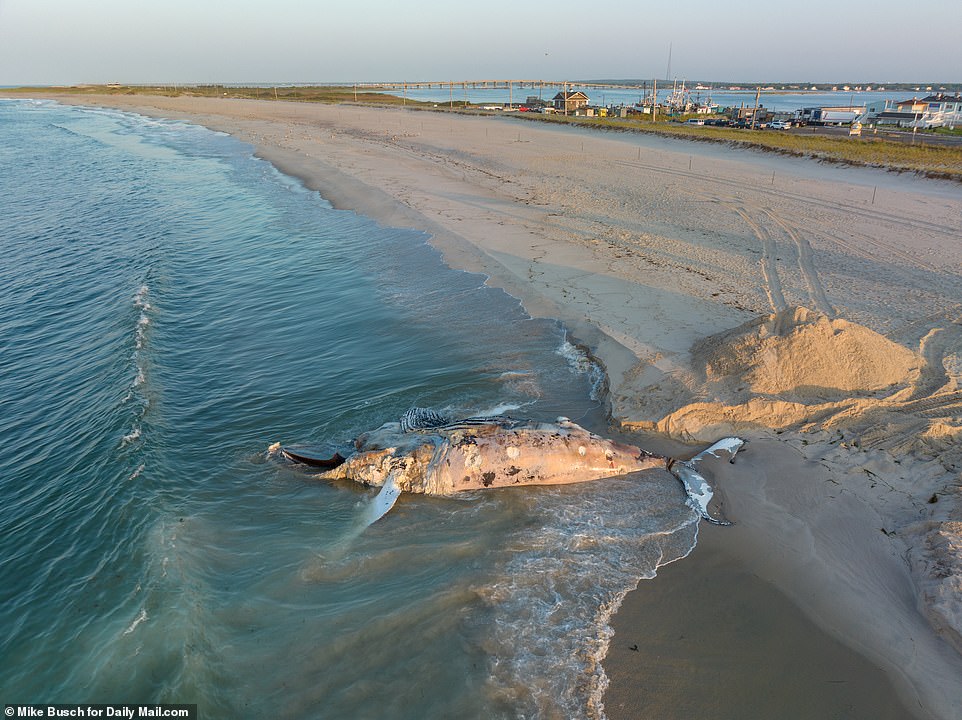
(426, 452)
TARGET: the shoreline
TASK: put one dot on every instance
(709, 627)
(640, 277)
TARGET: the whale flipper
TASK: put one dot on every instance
(383, 502)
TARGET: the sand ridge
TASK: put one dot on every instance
(816, 310)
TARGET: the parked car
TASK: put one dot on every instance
(780, 125)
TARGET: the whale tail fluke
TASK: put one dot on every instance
(696, 486)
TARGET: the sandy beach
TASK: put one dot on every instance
(814, 309)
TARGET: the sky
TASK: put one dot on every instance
(65, 42)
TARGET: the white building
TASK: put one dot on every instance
(939, 110)
(943, 110)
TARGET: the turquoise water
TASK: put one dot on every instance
(170, 306)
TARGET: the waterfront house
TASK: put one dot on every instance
(570, 102)
(897, 118)
(943, 110)
(913, 106)
(929, 112)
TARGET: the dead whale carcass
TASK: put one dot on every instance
(429, 453)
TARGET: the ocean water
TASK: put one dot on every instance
(170, 306)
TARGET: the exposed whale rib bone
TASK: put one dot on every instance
(419, 419)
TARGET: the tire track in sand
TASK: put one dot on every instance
(769, 269)
(769, 227)
(754, 214)
(806, 264)
(938, 344)
(847, 209)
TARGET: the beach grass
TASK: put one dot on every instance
(923, 158)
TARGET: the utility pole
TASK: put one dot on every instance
(758, 92)
(654, 99)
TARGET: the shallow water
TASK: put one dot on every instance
(170, 306)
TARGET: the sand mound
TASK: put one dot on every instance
(800, 369)
(800, 354)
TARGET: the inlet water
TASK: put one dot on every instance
(170, 306)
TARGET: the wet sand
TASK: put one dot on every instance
(710, 638)
(682, 267)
